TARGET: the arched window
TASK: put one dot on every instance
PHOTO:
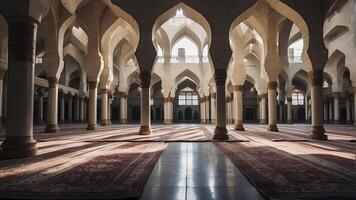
(297, 97)
(295, 51)
(190, 48)
(187, 97)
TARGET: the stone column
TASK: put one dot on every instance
(202, 111)
(213, 108)
(2, 74)
(62, 109)
(77, 109)
(109, 108)
(220, 132)
(326, 107)
(52, 126)
(145, 128)
(70, 108)
(168, 113)
(336, 96)
(238, 105)
(289, 111)
(207, 116)
(40, 108)
(123, 107)
(263, 109)
(19, 140)
(348, 110)
(272, 106)
(331, 116)
(82, 109)
(317, 107)
(93, 95)
(104, 107)
(355, 106)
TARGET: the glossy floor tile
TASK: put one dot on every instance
(197, 171)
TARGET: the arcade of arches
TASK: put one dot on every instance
(227, 67)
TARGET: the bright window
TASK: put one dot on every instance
(188, 99)
(297, 98)
(190, 48)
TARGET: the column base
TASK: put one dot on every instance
(52, 128)
(91, 127)
(220, 133)
(203, 121)
(168, 122)
(123, 121)
(104, 122)
(336, 122)
(18, 148)
(109, 122)
(239, 127)
(273, 128)
(318, 133)
(263, 121)
(289, 121)
(213, 121)
(145, 130)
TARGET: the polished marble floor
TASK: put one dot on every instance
(197, 171)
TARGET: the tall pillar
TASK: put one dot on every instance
(289, 111)
(168, 112)
(220, 132)
(202, 110)
(272, 109)
(52, 126)
(19, 140)
(93, 90)
(331, 116)
(2, 74)
(40, 108)
(207, 116)
(317, 107)
(123, 107)
(213, 108)
(238, 105)
(263, 109)
(104, 107)
(70, 108)
(145, 128)
(326, 108)
(62, 109)
(82, 109)
(336, 96)
(348, 110)
(109, 108)
(77, 109)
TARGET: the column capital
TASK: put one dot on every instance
(272, 85)
(123, 95)
(289, 99)
(145, 78)
(93, 84)
(261, 96)
(336, 95)
(316, 77)
(220, 76)
(168, 99)
(52, 82)
(105, 91)
(213, 95)
(238, 88)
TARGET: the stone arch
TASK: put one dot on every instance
(189, 13)
(186, 73)
(189, 34)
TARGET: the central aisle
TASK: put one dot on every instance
(197, 171)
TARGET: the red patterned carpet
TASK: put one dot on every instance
(287, 165)
(114, 162)
(70, 170)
